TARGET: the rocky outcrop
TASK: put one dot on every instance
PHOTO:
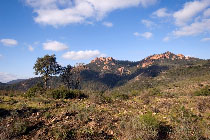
(146, 64)
(121, 70)
(180, 56)
(105, 60)
(167, 55)
(106, 67)
(104, 63)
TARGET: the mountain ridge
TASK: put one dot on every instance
(103, 73)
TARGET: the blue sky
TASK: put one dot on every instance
(80, 30)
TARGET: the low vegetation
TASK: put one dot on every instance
(166, 101)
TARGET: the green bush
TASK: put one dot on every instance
(120, 96)
(33, 91)
(47, 115)
(63, 133)
(144, 127)
(203, 92)
(135, 92)
(149, 121)
(20, 127)
(99, 98)
(187, 125)
(154, 91)
(67, 94)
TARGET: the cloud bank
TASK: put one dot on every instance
(6, 77)
(9, 42)
(189, 11)
(30, 48)
(146, 35)
(108, 24)
(54, 46)
(82, 55)
(63, 12)
(161, 13)
(205, 39)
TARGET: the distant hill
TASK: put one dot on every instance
(107, 73)
(2, 86)
(15, 81)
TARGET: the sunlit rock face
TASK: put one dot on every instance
(167, 55)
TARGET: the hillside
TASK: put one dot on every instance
(162, 97)
(106, 73)
(109, 73)
(15, 81)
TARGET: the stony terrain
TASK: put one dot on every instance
(164, 96)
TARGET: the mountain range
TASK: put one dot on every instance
(105, 73)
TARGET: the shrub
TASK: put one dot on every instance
(33, 91)
(120, 96)
(149, 121)
(203, 92)
(20, 127)
(154, 91)
(143, 127)
(67, 94)
(100, 98)
(187, 125)
(47, 115)
(135, 92)
(63, 133)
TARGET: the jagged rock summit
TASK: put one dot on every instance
(167, 55)
(104, 60)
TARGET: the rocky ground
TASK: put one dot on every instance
(139, 117)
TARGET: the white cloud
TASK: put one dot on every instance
(207, 13)
(161, 13)
(30, 48)
(195, 28)
(6, 77)
(1, 55)
(148, 23)
(63, 12)
(82, 55)
(192, 19)
(108, 24)
(166, 39)
(54, 46)
(205, 39)
(9, 42)
(136, 34)
(146, 35)
(190, 10)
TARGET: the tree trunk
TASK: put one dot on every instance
(45, 82)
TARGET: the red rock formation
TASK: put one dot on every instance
(103, 59)
(146, 64)
(168, 55)
(121, 70)
(106, 68)
(180, 56)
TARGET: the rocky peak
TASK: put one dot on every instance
(167, 55)
(104, 60)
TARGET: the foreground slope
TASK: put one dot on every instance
(143, 116)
